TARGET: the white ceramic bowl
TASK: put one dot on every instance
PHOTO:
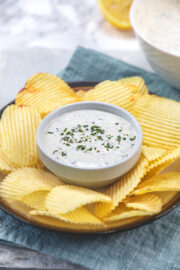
(166, 64)
(89, 177)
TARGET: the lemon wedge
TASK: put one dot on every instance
(116, 12)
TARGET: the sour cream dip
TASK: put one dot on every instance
(158, 21)
(89, 138)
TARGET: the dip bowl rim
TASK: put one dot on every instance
(132, 18)
(53, 115)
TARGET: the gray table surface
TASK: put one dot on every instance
(40, 36)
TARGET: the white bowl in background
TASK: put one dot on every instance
(165, 63)
(89, 177)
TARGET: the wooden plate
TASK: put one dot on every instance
(19, 211)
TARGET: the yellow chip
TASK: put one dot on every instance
(5, 165)
(156, 166)
(41, 81)
(152, 153)
(139, 82)
(146, 202)
(120, 189)
(160, 123)
(165, 104)
(80, 93)
(79, 216)
(165, 196)
(24, 181)
(114, 92)
(35, 199)
(163, 182)
(89, 96)
(122, 212)
(63, 199)
(46, 92)
(18, 135)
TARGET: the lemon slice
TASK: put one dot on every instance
(116, 12)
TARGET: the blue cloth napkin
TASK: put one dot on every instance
(155, 246)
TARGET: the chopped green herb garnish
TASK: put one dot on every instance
(133, 138)
(50, 132)
(66, 138)
(109, 136)
(96, 129)
(108, 146)
(81, 147)
(63, 154)
(80, 130)
(90, 134)
(118, 138)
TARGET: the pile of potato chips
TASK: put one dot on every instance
(138, 193)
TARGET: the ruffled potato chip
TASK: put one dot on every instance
(24, 181)
(157, 165)
(89, 96)
(35, 199)
(44, 81)
(18, 135)
(81, 93)
(152, 153)
(45, 93)
(78, 216)
(139, 82)
(114, 92)
(165, 104)
(160, 124)
(146, 202)
(120, 189)
(163, 182)
(165, 196)
(5, 165)
(63, 199)
(123, 212)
